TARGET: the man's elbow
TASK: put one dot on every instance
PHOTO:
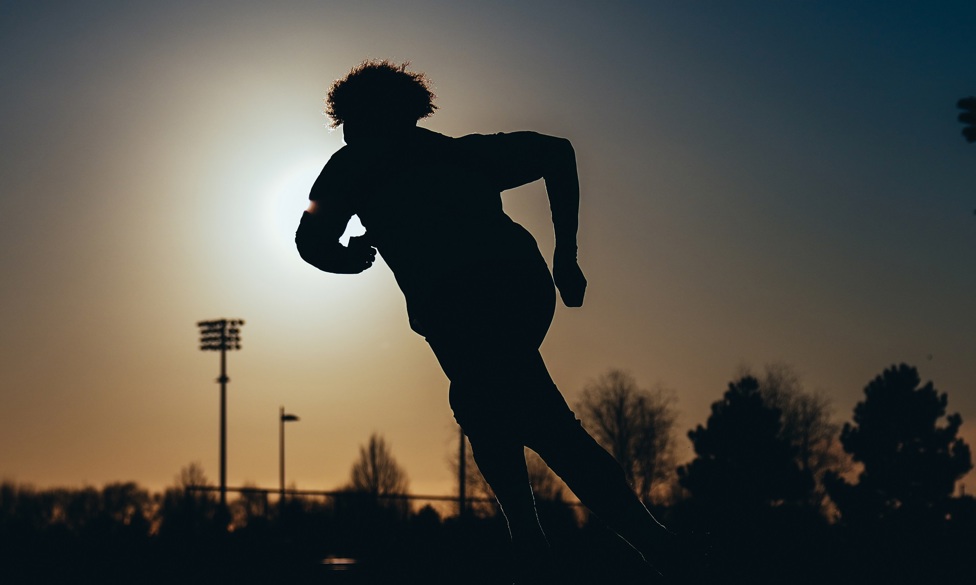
(307, 253)
(565, 148)
(560, 159)
(311, 246)
(311, 253)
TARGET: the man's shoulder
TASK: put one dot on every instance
(464, 138)
(484, 143)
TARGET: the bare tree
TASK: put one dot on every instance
(127, 504)
(183, 511)
(637, 427)
(376, 471)
(807, 425)
(192, 476)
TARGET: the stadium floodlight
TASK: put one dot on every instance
(221, 335)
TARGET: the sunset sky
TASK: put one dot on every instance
(761, 181)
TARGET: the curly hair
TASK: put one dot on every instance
(380, 89)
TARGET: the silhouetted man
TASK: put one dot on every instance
(476, 286)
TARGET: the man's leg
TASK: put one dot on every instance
(502, 463)
(587, 468)
(598, 481)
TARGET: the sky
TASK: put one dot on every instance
(762, 182)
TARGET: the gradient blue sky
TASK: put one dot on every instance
(762, 182)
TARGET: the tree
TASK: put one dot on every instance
(808, 425)
(250, 509)
(192, 476)
(375, 480)
(376, 471)
(968, 117)
(183, 511)
(743, 463)
(911, 459)
(126, 506)
(636, 427)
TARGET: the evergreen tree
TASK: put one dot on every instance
(743, 463)
(808, 425)
(910, 459)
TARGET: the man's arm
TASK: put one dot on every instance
(322, 225)
(522, 157)
(318, 244)
(562, 188)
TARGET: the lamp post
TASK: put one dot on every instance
(283, 418)
(221, 335)
(462, 477)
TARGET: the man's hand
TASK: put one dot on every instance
(360, 253)
(569, 280)
(318, 244)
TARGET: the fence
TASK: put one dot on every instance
(436, 501)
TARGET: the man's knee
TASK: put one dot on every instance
(476, 410)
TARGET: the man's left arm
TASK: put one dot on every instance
(562, 187)
(519, 158)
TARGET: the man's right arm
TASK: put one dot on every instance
(317, 240)
(323, 223)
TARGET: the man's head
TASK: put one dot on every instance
(379, 97)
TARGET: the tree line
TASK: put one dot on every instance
(777, 491)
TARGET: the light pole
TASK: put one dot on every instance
(221, 335)
(283, 418)
(462, 477)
